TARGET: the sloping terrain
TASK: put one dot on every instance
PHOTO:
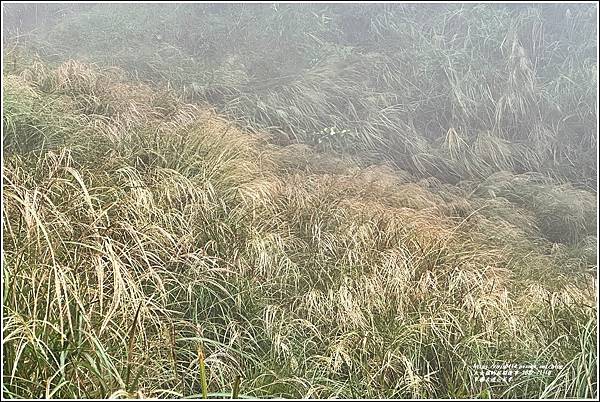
(140, 231)
(300, 202)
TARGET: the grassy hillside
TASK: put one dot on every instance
(445, 90)
(266, 203)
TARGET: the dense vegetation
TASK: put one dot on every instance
(299, 200)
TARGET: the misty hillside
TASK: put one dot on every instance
(299, 200)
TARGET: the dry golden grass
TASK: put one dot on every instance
(160, 255)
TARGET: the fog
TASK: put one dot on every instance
(309, 200)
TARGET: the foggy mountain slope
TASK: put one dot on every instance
(299, 201)
(153, 229)
(454, 91)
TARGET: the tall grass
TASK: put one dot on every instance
(153, 249)
(515, 83)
